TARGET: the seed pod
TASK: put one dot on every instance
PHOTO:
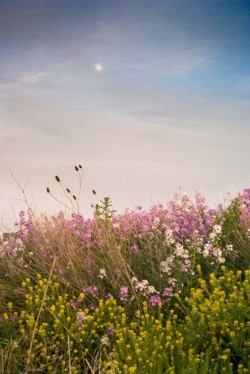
(57, 178)
(93, 191)
(48, 190)
(74, 197)
(80, 166)
(68, 190)
(76, 168)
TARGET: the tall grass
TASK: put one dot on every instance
(158, 291)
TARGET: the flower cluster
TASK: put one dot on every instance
(244, 198)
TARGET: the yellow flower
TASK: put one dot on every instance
(52, 308)
(10, 305)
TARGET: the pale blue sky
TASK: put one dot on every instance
(170, 106)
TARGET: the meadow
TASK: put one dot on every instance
(164, 290)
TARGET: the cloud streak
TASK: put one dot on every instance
(24, 80)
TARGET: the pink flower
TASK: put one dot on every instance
(155, 300)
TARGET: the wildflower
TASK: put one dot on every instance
(81, 316)
(180, 251)
(110, 330)
(102, 273)
(108, 296)
(91, 291)
(217, 229)
(172, 282)
(169, 237)
(154, 300)
(166, 266)
(168, 292)
(123, 293)
(105, 340)
(229, 247)
(134, 248)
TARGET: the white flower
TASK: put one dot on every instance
(105, 340)
(167, 265)
(217, 229)
(151, 289)
(230, 247)
(156, 223)
(102, 273)
(180, 251)
(169, 237)
(134, 280)
(205, 252)
(212, 235)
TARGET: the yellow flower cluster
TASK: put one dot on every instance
(215, 330)
(62, 332)
(209, 331)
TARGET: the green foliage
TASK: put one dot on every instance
(234, 234)
(104, 209)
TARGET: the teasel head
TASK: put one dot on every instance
(80, 166)
(68, 190)
(48, 190)
(76, 168)
(57, 178)
(93, 191)
(74, 197)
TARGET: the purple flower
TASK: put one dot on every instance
(134, 248)
(123, 293)
(172, 282)
(91, 291)
(155, 300)
(108, 296)
(168, 292)
(110, 330)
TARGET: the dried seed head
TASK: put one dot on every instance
(74, 197)
(76, 168)
(68, 190)
(57, 178)
(48, 190)
(80, 166)
(93, 191)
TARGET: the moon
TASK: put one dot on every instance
(98, 67)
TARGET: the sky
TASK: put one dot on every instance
(146, 95)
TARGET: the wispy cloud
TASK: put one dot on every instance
(26, 79)
(33, 78)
